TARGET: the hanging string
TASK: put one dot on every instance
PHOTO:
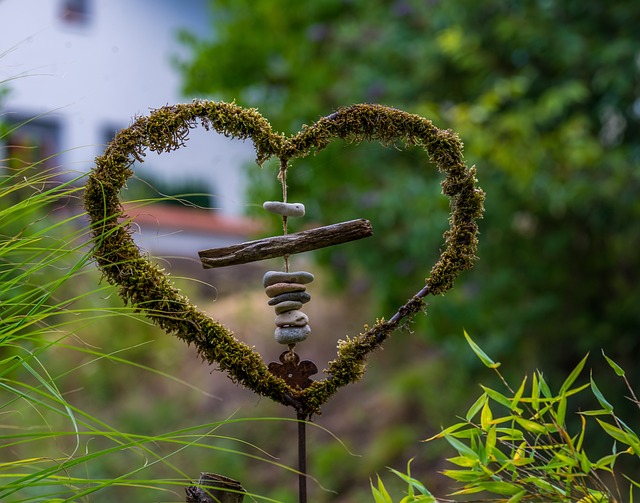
(282, 176)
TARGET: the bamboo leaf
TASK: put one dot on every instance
(380, 494)
(510, 434)
(595, 497)
(497, 397)
(469, 489)
(616, 368)
(531, 426)
(471, 433)
(545, 485)
(632, 484)
(561, 412)
(447, 431)
(600, 397)
(566, 460)
(500, 457)
(516, 398)
(462, 448)
(477, 405)
(461, 475)
(520, 452)
(421, 499)
(503, 488)
(484, 358)
(523, 461)
(491, 441)
(573, 375)
(585, 464)
(573, 391)
(583, 428)
(415, 484)
(486, 416)
(463, 461)
(517, 497)
(617, 433)
(600, 412)
(544, 388)
(535, 392)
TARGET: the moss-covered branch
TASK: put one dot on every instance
(144, 285)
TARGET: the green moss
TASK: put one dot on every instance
(146, 287)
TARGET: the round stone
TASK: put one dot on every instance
(284, 209)
(292, 319)
(287, 305)
(292, 335)
(303, 297)
(278, 288)
(273, 277)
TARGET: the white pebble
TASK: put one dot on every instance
(284, 209)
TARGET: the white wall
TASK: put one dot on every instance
(98, 76)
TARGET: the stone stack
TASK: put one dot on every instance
(287, 290)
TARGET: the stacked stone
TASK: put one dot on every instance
(287, 290)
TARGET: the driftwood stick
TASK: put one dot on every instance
(278, 246)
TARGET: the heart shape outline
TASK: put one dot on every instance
(144, 285)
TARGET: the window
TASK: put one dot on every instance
(31, 142)
(75, 12)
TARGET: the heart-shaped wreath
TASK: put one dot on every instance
(145, 286)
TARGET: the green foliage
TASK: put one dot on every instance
(381, 495)
(519, 445)
(544, 95)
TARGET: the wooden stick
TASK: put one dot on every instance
(279, 246)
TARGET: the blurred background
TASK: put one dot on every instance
(543, 93)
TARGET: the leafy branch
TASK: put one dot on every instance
(518, 446)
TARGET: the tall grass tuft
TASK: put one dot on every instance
(52, 448)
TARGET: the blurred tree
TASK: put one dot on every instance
(545, 95)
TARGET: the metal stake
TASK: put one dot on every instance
(302, 457)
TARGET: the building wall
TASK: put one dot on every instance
(90, 75)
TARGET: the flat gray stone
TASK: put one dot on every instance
(287, 305)
(303, 297)
(284, 209)
(293, 318)
(273, 277)
(292, 335)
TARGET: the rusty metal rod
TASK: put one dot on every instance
(279, 246)
(302, 457)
